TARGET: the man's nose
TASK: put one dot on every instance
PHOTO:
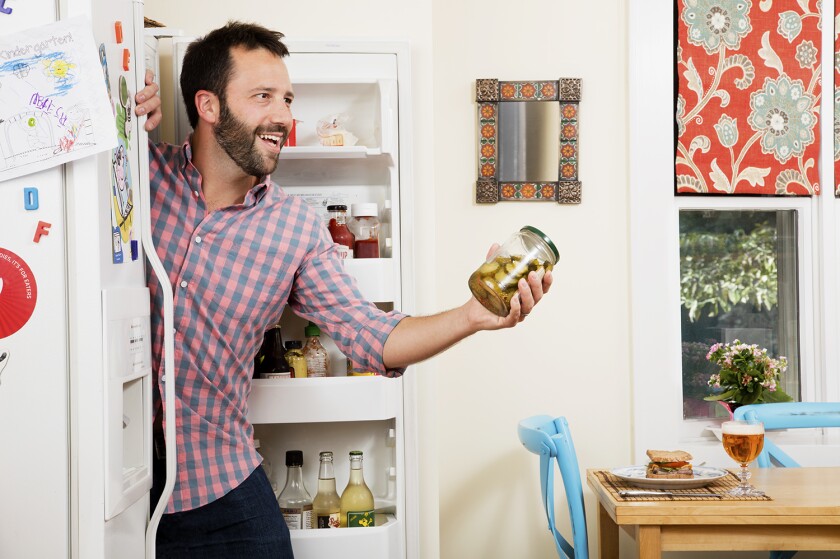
(283, 116)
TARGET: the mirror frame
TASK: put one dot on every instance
(488, 94)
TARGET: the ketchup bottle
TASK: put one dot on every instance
(339, 231)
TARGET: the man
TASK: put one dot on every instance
(238, 250)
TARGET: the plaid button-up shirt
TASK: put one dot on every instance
(233, 272)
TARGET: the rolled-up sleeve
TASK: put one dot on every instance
(327, 295)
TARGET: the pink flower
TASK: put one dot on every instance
(713, 349)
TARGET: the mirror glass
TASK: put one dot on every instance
(529, 142)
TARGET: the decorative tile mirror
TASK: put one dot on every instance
(528, 141)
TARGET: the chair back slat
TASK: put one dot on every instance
(551, 439)
(788, 415)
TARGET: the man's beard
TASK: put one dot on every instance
(240, 143)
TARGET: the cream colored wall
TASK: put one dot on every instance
(571, 357)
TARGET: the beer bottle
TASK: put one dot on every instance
(326, 505)
(357, 501)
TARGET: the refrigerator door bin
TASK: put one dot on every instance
(383, 540)
(311, 400)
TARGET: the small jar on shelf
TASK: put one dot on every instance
(339, 231)
(364, 224)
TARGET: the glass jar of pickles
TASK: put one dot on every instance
(496, 281)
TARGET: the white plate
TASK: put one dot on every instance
(635, 475)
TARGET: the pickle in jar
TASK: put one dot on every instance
(496, 282)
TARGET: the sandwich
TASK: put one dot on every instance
(669, 464)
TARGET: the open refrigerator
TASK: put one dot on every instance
(75, 372)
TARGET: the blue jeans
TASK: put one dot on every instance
(244, 523)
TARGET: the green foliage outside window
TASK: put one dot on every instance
(720, 269)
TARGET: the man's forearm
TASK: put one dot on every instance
(417, 338)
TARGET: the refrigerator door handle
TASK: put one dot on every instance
(168, 363)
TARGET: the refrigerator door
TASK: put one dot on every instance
(75, 373)
(34, 466)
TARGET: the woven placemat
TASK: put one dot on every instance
(719, 486)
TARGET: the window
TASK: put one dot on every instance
(738, 281)
(799, 318)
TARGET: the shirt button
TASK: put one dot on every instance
(184, 283)
(198, 240)
(195, 193)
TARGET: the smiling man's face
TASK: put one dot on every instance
(255, 113)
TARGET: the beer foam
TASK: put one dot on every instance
(738, 428)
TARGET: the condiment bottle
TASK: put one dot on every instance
(339, 232)
(496, 281)
(357, 508)
(295, 502)
(364, 224)
(294, 356)
(317, 359)
(326, 506)
(273, 363)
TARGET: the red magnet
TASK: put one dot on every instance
(126, 59)
(42, 230)
(18, 293)
(118, 31)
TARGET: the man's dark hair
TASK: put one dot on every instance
(207, 62)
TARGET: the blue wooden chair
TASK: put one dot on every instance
(550, 438)
(788, 415)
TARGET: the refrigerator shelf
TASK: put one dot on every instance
(375, 277)
(329, 152)
(383, 540)
(318, 400)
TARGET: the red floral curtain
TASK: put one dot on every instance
(748, 97)
(836, 99)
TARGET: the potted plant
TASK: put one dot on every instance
(747, 375)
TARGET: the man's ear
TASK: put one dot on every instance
(208, 106)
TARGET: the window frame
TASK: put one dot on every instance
(654, 243)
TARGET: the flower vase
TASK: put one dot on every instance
(730, 408)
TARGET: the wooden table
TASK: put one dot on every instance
(804, 514)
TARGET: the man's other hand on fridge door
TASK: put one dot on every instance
(148, 103)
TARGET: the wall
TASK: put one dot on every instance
(571, 357)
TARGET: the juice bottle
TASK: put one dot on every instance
(326, 506)
(357, 508)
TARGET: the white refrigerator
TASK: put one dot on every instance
(75, 348)
(75, 387)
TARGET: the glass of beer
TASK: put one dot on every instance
(743, 441)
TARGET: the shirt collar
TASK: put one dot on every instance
(253, 196)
